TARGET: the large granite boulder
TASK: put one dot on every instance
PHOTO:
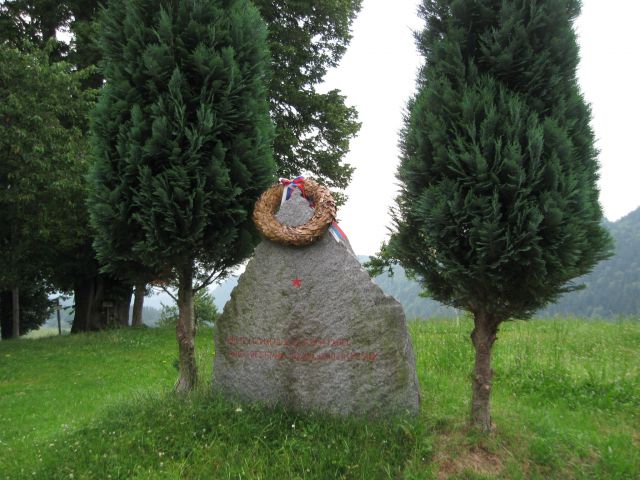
(307, 328)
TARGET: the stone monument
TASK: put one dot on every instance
(306, 328)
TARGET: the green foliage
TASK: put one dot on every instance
(33, 24)
(181, 135)
(28, 23)
(313, 129)
(83, 49)
(25, 24)
(306, 38)
(613, 288)
(42, 160)
(94, 405)
(205, 311)
(498, 209)
(35, 307)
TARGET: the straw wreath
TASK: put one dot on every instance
(267, 206)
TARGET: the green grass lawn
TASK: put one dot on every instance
(566, 404)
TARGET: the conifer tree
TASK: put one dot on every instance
(498, 209)
(182, 140)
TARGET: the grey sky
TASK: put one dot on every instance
(378, 72)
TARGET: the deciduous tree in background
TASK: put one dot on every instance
(182, 140)
(41, 163)
(31, 25)
(313, 129)
(498, 209)
(205, 311)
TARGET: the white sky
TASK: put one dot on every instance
(377, 74)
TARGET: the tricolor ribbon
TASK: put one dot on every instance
(290, 185)
(337, 232)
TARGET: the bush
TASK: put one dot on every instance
(206, 311)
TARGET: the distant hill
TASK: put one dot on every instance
(222, 293)
(612, 289)
(399, 286)
(407, 292)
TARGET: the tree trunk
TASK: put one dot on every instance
(83, 297)
(483, 337)
(58, 307)
(6, 324)
(100, 302)
(138, 303)
(122, 311)
(186, 332)
(15, 304)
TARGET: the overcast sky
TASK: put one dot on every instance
(377, 74)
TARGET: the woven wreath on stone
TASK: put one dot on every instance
(264, 215)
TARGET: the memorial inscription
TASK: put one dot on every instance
(289, 349)
(308, 329)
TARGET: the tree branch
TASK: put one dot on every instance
(208, 281)
(168, 293)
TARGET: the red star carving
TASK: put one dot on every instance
(296, 282)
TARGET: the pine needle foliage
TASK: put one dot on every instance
(498, 210)
(181, 133)
(499, 205)
(182, 139)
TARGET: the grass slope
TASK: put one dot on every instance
(98, 406)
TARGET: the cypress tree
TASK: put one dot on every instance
(498, 209)
(182, 140)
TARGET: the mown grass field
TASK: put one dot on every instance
(566, 405)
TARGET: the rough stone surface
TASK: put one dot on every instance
(308, 329)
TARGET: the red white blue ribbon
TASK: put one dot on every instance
(291, 185)
(334, 229)
(337, 233)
